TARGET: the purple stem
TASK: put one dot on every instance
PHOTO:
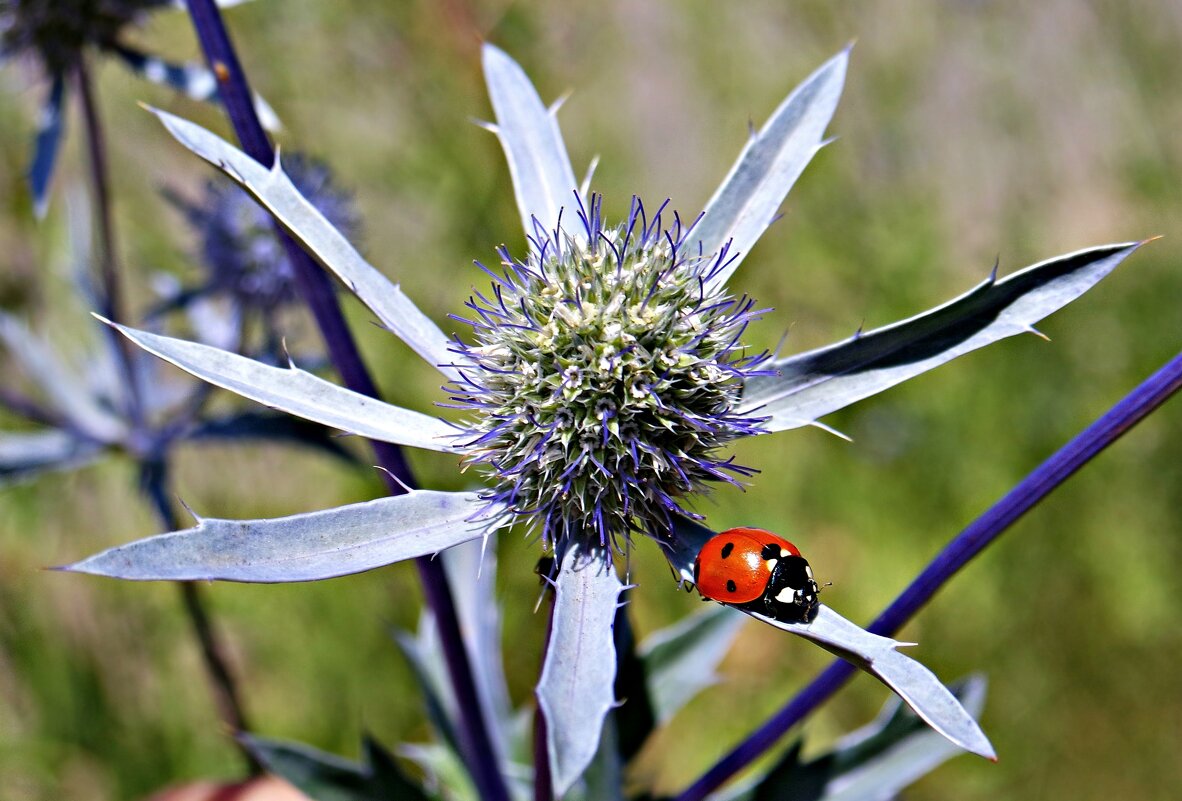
(316, 289)
(1133, 408)
(108, 266)
(543, 781)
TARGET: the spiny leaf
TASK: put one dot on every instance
(915, 684)
(304, 547)
(811, 385)
(876, 655)
(276, 192)
(749, 197)
(543, 179)
(298, 392)
(575, 691)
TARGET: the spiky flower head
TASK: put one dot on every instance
(57, 31)
(238, 244)
(605, 378)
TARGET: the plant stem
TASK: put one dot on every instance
(154, 478)
(979, 534)
(111, 299)
(316, 289)
(543, 781)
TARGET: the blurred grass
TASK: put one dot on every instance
(968, 130)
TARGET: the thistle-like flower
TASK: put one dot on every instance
(603, 377)
(242, 256)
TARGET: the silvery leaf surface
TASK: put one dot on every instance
(680, 660)
(24, 454)
(813, 384)
(303, 547)
(58, 382)
(327, 777)
(575, 691)
(275, 191)
(190, 79)
(874, 763)
(543, 179)
(298, 392)
(749, 197)
(915, 684)
(47, 144)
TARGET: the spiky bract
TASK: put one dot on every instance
(604, 378)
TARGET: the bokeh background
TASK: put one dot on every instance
(968, 131)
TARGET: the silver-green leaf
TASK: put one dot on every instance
(811, 385)
(24, 454)
(915, 684)
(303, 547)
(680, 660)
(300, 393)
(575, 690)
(191, 79)
(543, 179)
(749, 197)
(59, 382)
(876, 655)
(327, 777)
(275, 191)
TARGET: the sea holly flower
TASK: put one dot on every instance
(57, 34)
(603, 377)
(239, 250)
(247, 275)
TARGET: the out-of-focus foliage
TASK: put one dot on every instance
(968, 130)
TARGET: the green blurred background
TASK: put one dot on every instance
(968, 130)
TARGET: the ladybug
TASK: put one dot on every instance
(756, 570)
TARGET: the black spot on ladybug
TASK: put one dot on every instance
(730, 585)
(726, 551)
(770, 551)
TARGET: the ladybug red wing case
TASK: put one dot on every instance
(759, 571)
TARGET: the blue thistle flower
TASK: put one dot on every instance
(604, 378)
(239, 249)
